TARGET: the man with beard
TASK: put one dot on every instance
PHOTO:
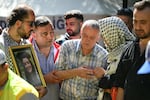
(20, 25)
(73, 22)
(136, 86)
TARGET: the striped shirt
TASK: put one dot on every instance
(47, 65)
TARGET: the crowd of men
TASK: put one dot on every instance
(77, 66)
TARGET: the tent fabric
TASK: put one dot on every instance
(59, 7)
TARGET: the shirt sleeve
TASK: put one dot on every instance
(61, 62)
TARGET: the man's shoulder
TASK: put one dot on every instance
(20, 85)
(71, 45)
(99, 48)
(56, 45)
(62, 38)
(26, 41)
(131, 50)
(72, 42)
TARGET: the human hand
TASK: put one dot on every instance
(99, 72)
(85, 72)
(41, 90)
(51, 77)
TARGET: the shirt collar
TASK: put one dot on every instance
(78, 48)
(94, 50)
(36, 47)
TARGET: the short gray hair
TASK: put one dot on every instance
(92, 23)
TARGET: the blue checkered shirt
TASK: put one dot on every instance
(71, 57)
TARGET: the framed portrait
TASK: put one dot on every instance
(26, 64)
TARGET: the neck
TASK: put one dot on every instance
(14, 35)
(86, 51)
(4, 79)
(75, 37)
(143, 44)
(45, 50)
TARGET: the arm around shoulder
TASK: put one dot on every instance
(66, 74)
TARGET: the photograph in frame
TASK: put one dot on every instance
(26, 64)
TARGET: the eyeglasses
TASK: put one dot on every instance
(31, 23)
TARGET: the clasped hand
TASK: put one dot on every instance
(89, 73)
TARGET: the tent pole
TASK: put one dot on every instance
(125, 3)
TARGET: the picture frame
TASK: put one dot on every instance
(26, 64)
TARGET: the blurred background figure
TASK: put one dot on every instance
(73, 21)
(1, 30)
(126, 14)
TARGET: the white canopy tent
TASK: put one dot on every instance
(58, 7)
(92, 9)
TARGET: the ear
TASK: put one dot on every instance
(18, 23)
(6, 66)
(98, 38)
(81, 24)
(33, 34)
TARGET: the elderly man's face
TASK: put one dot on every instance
(89, 37)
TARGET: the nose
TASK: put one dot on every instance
(67, 27)
(137, 26)
(50, 36)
